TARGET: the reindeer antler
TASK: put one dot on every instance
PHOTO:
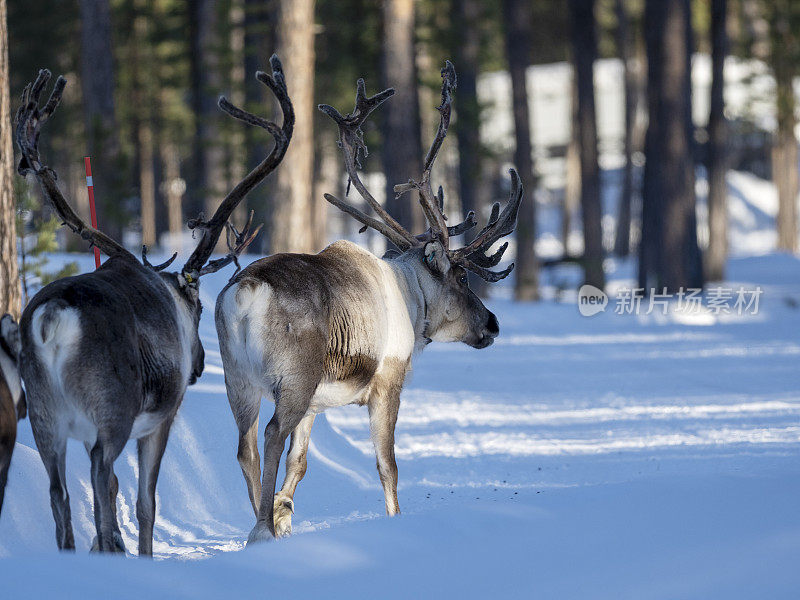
(473, 256)
(211, 229)
(351, 141)
(433, 206)
(29, 121)
(160, 267)
(237, 242)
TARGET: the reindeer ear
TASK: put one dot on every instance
(435, 257)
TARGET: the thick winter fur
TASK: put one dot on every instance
(107, 357)
(336, 328)
(12, 396)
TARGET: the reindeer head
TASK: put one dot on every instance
(453, 311)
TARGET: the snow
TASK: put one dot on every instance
(614, 456)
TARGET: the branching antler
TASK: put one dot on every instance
(351, 141)
(433, 206)
(160, 267)
(237, 242)
(473, 256)
(29, 121)
(212, 228)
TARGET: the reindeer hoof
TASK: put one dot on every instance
(119, 545)
(282, 515)
(283, 526)
(259, 534)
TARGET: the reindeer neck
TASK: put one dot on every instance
(408, 282)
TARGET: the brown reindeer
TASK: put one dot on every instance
(341, 326)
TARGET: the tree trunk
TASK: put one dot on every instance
(668, 250)
(694, 256)
(326, 179)
(784, 164)
(402, 145)
(173, 188)
(97, 86)
(147, 184)
(235, 151)
(517, 22)
(259, 43)
(143, 126)
(717, 140)
(208, 175)
(572, 183)
(467, 38)
(292, 221)
(584, 44)
(650, 241)
(784, 151)
(10, 301)
(622, 242)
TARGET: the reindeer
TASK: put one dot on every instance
(12, 396)
(107, 356)
(341, 327)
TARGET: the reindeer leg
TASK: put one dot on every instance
(250, 462)
(245, 403)
(54, 459)
(8, 433)
(383, 408)
(291, 404)
(296, 465)
(114, 491)
(150, 452)
(53, 452)
(5, 462)
(119, 544)
(103, 455)
(8, 436)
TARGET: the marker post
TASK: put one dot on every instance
(90, 187)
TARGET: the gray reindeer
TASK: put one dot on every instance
(341, 327)
(12, 396)
(107, 356)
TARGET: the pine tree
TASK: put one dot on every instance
(584, 43)
(517, 22)
(37, 239)
(717, 142)
(668, 252)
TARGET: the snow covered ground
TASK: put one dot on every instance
(611, 456)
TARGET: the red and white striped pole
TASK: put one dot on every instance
(90, 187)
